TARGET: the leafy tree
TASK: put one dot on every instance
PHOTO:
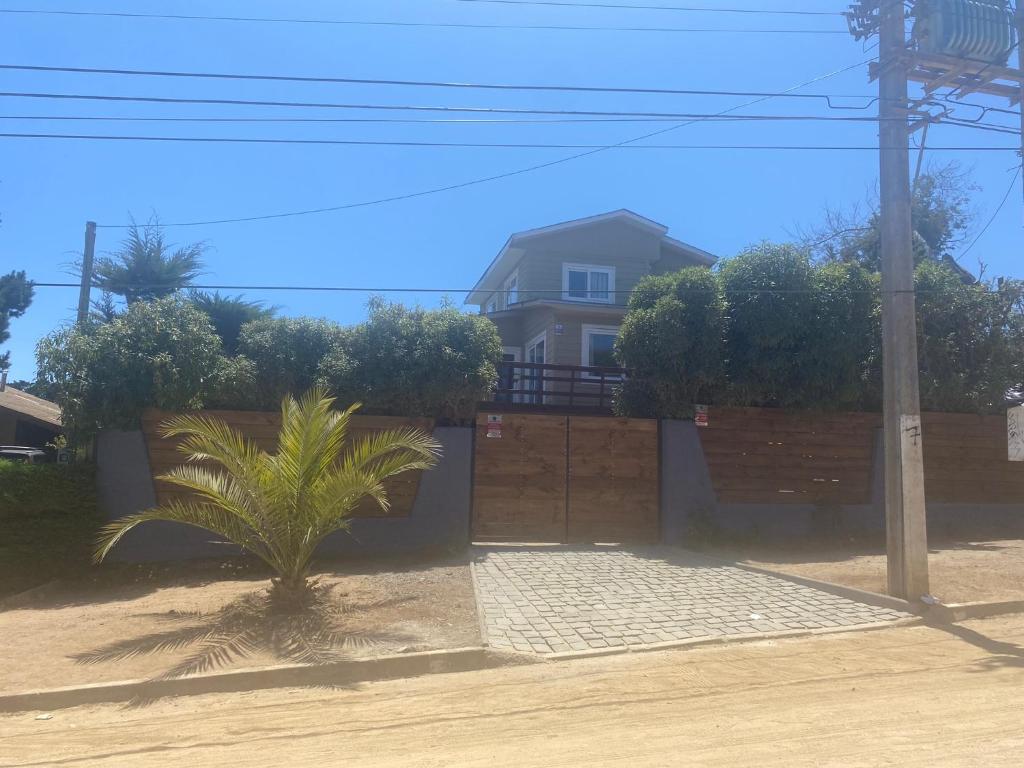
(286, 354)
(15, 296)
(940, 215)
(841, 339)
(970, 341)
(671, 340)
(279, 506)
(417, 362)
(769, 290)
(229, 313)
(147, 266)
(157, 353)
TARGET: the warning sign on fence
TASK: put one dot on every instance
(1015, 433)
(700, 415)
(494, 425)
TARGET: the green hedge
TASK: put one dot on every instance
(48, 520)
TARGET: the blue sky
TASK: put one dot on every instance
(719, 200)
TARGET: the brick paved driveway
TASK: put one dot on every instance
(556, 599)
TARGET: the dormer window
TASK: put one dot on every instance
(584, 282)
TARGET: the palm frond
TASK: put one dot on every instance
(280, 505)
(207, 516)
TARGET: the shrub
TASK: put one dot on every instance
(970, 341)
(48, 518)
(286, 354)
(800, 335)
(769, 295)
(157, 353)
(416, 362)
(671, 341)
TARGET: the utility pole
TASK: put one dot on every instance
(906, 534)
(1020, 97)
(87, 259)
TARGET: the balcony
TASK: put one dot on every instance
(559, 388)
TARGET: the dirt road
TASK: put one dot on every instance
(912, 696)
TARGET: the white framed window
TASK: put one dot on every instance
(492, 306)
(585, 282)
(511, 289)
(598, 347)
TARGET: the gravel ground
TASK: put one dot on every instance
(961, 572)
(140, 622)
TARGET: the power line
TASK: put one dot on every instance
(417, 24)
(392, 107)
(988, 224)
(598, 117)
(481, 145)
(482, 179)
(378, 289)
(624, 117)
(689, 8)
(421, 83)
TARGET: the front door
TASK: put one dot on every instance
(508, 377)
(535, 352)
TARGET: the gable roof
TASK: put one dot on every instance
(513, 249)
(34, 407)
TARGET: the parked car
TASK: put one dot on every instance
(23, 454)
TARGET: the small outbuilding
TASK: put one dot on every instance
(26, 419)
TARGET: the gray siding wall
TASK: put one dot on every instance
(629, 249)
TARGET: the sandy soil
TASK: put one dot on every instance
(163, 615)
(960, 572)
(911, 696)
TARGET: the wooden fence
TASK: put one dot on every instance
(764, 455)
(568, 479)
(965, 460)
(262, 428)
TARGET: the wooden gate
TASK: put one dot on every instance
(565, 479)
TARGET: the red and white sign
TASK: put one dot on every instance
(494, 425)
(700, 415)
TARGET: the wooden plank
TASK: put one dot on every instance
(263, 429)
(754, 453)
(519, 479)
(613, 480)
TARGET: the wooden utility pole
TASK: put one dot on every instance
(906, 535)
(87, 259)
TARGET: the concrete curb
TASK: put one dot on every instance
(750, 637)
(955, 612)
(481, 620)
(284, 676)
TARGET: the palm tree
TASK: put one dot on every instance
(280, 506)
(147, 267)
(229, 313)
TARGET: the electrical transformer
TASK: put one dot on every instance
(980, 30)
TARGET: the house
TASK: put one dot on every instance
(26, 419)
(558, 295)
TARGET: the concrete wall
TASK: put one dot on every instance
(439, 519)
(688, 504)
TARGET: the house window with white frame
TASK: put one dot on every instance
(492, 306)
(584, 282)
(598, 346)
(511, 290)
